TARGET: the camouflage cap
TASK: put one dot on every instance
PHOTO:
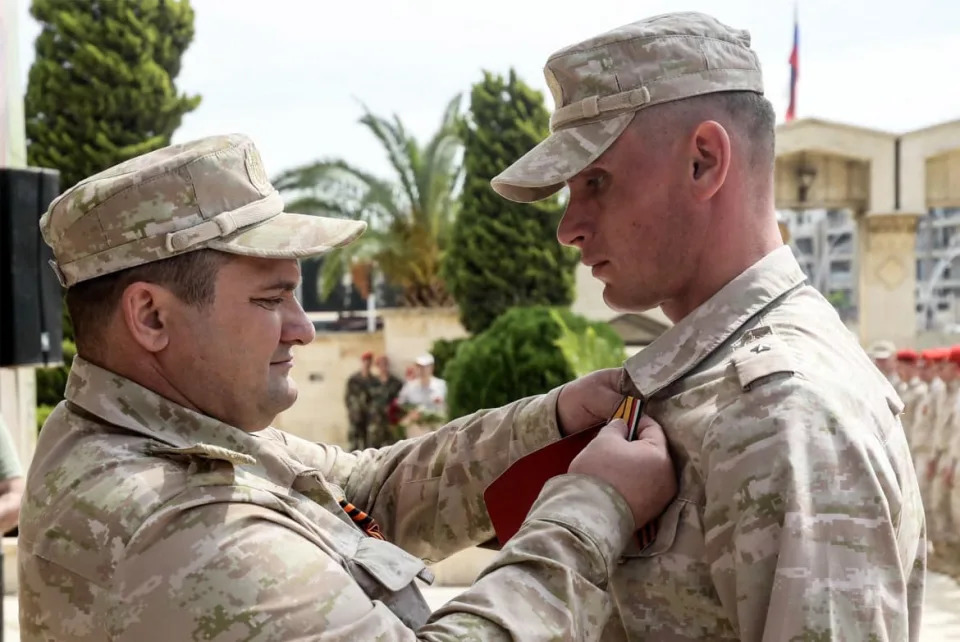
(208, 193)
(599, 84)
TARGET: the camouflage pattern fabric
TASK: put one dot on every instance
(143, 520)
(208, 193)
(598, 85)
(382, 433)
(359, 408)
(798, 515)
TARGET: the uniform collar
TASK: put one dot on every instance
(125, 403)
(683, 346)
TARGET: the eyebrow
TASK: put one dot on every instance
(285, 285)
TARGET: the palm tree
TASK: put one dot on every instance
(409, 219)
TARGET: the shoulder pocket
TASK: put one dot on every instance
(761, 357)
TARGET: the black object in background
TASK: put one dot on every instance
(31, 299)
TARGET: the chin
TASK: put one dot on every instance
(626, 303)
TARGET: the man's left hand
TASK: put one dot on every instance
(589, 401)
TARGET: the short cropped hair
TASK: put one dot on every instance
(748, 113)
(191, 277)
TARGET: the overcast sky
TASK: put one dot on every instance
(292, 73)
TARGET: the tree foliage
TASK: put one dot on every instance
(409, 217)
(527, 351)
(101, 89)
(504, 254)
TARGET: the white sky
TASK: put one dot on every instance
(292, 73)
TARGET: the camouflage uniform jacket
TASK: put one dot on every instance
(144, 520)
(798, 515)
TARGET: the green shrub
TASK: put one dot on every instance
(42, 413)
(527, 351)
(52, 381)
(443, 351)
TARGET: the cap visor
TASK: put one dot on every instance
(565, 153)
(292, 236)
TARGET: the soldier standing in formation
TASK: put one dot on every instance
(383, 394)
(359, 402)
(929, 385)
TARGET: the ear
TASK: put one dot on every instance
(710, 157)
(145, 309)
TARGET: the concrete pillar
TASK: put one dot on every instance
(887, 277)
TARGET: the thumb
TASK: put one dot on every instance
(650, 431)
(617, 429)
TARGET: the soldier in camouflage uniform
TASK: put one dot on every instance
(161, 505)
(799, 513)
(358, 399)
(386, 387)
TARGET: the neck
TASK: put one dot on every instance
(732, 249)
(146, 372)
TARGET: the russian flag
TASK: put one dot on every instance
(794, 68)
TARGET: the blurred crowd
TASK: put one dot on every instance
(383, 409)
(928, 382)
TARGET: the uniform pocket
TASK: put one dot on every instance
(386, 573)
(667, 525)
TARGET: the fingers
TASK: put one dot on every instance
(650, 431)
(617, 428)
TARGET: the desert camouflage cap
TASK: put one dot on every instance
(208, 193)
(599, 84)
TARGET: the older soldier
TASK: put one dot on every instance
(160, 505)
(359, 401)
(798, 515)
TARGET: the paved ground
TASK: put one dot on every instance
(941, 617)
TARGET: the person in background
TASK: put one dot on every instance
(358, 398)
(425, 394)
(11, 482)
(383, 396)
(884, 355)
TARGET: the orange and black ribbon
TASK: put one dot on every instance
(630, 410)
(361, 519)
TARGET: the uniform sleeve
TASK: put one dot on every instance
(806, 523)
(427, 492)
(227, 572)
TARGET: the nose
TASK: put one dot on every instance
(297, 328)
(572, 229)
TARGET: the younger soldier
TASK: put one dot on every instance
(798, 515)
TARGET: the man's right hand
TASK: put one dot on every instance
(641, 470)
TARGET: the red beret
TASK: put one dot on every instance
(907, 355)
(366, 355)
(955, 354)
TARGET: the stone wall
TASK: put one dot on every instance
(321, 370)
(410, 332)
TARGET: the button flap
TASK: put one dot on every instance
(761, 355)
(206, 451)
(894, 402)
(389, 564)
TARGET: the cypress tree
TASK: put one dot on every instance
(101, 89)
(504, 254)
